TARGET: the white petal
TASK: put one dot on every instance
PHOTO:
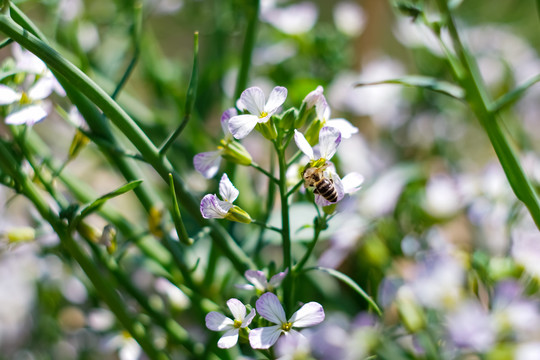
(322, 109)
(244, 287)
(310, 314)
(8, 95)
(249, 318)
(352, 182)
(228, 340)
(26, 61)
(264, 338)
(28, 115)
(41, 89)
(241, 125)
(211, 209)
(345, 128)
(227, 190)
(257, 278)
(207, 163)
(329, 139)
(313, 97)
(269, 307)
(238, 310)
(276, 99)
(303, 144)
(225, 205)
(57, 87)
(253, 100)
(217, 321)
(276, 280)
(227, 114)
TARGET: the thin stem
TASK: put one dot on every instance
(247, 51)
(266, 226)
(270, 176)
(294, 158)
(317, 231)
(480, 105)
(295, 187)
(127, 74)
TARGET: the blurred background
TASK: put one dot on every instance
(433, 183)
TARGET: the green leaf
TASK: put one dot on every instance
(96, 204)
(347, 280)
(177, 216)
(423, 82)
(514, 95)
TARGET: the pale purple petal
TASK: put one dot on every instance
(276, 280)
(227, 115)
(207, 163)
(211, 209)
(244, 286)
(257, 278)
(8, 95)
(352, 182)
(303, 144)
(227, 190)
(26, 61)
(345, 128)
(269, 307)
(310, 314)
(249, 318)
(28, 115)
(276, 99)
(41, 89)
(225, 205)
(57, 87)
(264, 338)
(238, 310)
(218, 322)
(253, 100)
(322, 109)
(329, 139)
(229, 339)
(313, 97)
(241, 125)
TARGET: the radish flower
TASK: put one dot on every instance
(214, 208)
(218, 322)
(269, 307)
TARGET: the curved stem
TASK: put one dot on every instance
(247, 51)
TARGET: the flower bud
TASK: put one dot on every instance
(267, 129)
(21, 234)
(312, 132)
(238, 214)
(287, 120)
(77, 144)
(155, 218)
(410, 313)
(235, 152)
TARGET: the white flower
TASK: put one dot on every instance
(207, 163)
(259, 112)
(313, 97)
(323, 114)
(329, 139)
(212, 207)
(218, 322)
(258, 280)
(31, 111)
(293, 19)
(270, 308)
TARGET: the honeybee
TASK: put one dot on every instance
(314, 178)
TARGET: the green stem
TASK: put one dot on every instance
(318, 228)
(480, 105)
(247, 51)
(269, 175)
(266, 226)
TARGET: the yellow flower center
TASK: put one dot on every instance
(263, 114)
(237, 324)
(286, 326)
(25, 99)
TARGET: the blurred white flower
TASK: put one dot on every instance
(470, 326)
(70, 9)
(293, 19)
(125, 345)
(527, 351)
(526, 251)
(442, 197)
(349, 18)
(274, 53)
(258, 281)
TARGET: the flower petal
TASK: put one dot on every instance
(276, 99)
(228, 340)
(352, 182)
(241, 125)
(41, 89)
(217, 321)
(303, 144)
(269, 307)
(313, 97)
(310, 314)
(237, 309)
(227, 190)
(28, 115)
(210, 208)
(257, 278)
(265, 337)
(227, 115)
(345, 128)
(207, 163)
(248, 319)
(253, 100)
(276, 280)
(322, 109)
(8, 95)
(329, 139)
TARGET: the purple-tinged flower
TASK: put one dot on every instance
(329, 140)
(293, 347)
(323, 114)
(313, 97)
(214, 208)
(259, 112)
(270, 308)
(258, 281)
(218, 322)
(471, 327)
